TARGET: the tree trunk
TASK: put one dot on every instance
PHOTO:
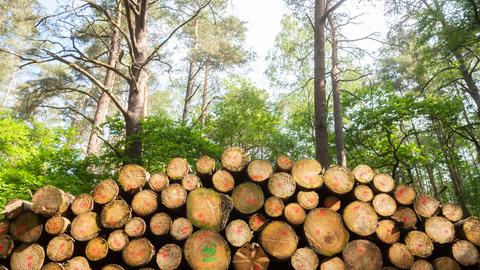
(10, 86)
(320, 97)
(203, 112)
(189, 91)
(472, 88)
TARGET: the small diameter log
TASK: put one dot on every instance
(325, 231)
(96, 249)
(281, 185)
(257, 221)
(259, 170)
(158, 181)
(223, 181)
(332, 202)
(83, 203)
(421, 265)
(283, 164)
(4, 226)
(306, 173)
(145, 202)
(360, 218)
(6, 246)
(362, 255)
(234, 159)
(205, 165)
(440, 230)
(250, 257)
(339, 179)
(404, 194)
(308, 199)
(452, 212)
(60, 248)
(363, 174)
(238, 233)
(207, 249)
(384, 204)
(135, 227)
(138, 252)
(274, 206)
(169, 257)
(279, 240)
(383, 183)
(52, 266)
(419, 244)
(294, 213)
(112, 267)
(181, 229)
(117, 240)
(405, 217)
(105, 191)
(77, 263)
(132, 177)
(160, 224)
(208, 209)
(304, 259)
(400, 256)
(57, 225)
(470, 229)
(426, 206)
(190, 182)
(334, 263)
(115, 214)
(27, 257)
(49, 200)
(85, 227)
(247, 198)
(177, 168)
(388, 232)
(173, 196)
(26, 227)
(363, 193)
(465, 253)
(446, 263)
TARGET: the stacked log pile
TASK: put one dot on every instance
(247, 215)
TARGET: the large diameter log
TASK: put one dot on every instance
(470, 229)
(419, 244)
(446, 263)
(27, 257)
(421, 265)
(15, 207)
(158, 181)
(49, 200)
(387, 232)
(207, 250)
(304, 259)
(6, 246)
(279, 240)
(339, 179)
(96, 249)
(325, 231)
(306, 173)
(465, 253)
(363, 193)
(117, 240)
(308, 199)
(426, 206)
(274, 206)
(190, 182)
(223, 181)
(440, 230)
(83, 203)
(406, 218)
(60, 248)
(208, 209)
(160, 224)
(234, 159)
(238, 233)
(57, 225)
(205, 165)
(169, 257)
(363, 173)
(115, 214)
(181, 229)
(452, 212)
(404, 194)
(145, 202)
(138, 252)
(360, 218)
(85, 226)
(250, 257)
(384, 204)
(135, 227)
(383, 183)
(26, 227)
(400, 256)
(259, 170)
(281, 185)
(334, 263)
(132, 177)
(105, 191)
(173, 196)
(294, 214)
(247, 198)
(362, 255)
(77, 263)
(177, 168)
(283, 163)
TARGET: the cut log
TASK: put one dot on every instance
(294, 213)
(387, 232)
(158, 181)
(15, 207)
(174, 196)
(60, 248)
(470, 229)
(190, 182)
(383, 183)
(83, 203)
(234, 159)
(332, 202)
(419, 244)
(308, 199)
(339, 180)
(206, 249)
(362, 255)
(406, 218)
(257, 221)
(465, 253)
(238, 233)
(325, 231)
(400, 256)
(440, 230)
(85, 227)
(77, 263)
(426, 206)
(259, 170)
(208, 209)
(306, 173)
(205, 165)
(57, 225)
(6, 246)
(96, 249)
(112, 267)
(452, 212)
(4, 226)
(363, 174)
(281, 185)
(421, 265)
(169, 257)
(279, 240)
(115, 214)
(304, 259)
(51, 266)
(49, 200)
(177, 168)
(135, 227)
(105, 191)
(27, 257)
(138, 252)
(384, 204)
(223, 181)
(145, 202)
(283, 164)
(160, 224)
(446, 263)
(274, 206)
(363, 193)
(181, 229)
(117, 240)
(334, 263)
(250, 257)
(132, 177)
(360, 218)
(247, 198)
(404, 194)
(26, 227)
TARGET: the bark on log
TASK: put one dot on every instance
(279, 240)
(306, 173)
(208, 209)
(206, 249)
(250, 257)
(332, 202)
